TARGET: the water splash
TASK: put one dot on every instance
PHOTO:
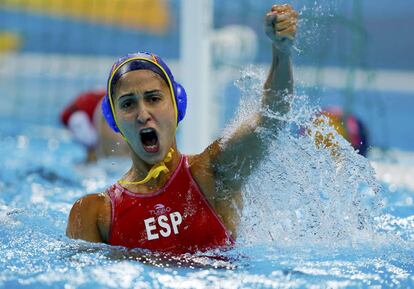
(317, 17)
(303, 192)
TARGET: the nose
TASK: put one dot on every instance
(143, 114)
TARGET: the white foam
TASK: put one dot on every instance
(301, 193)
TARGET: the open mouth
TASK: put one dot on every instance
(149, 140)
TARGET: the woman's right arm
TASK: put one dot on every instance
(90, 219)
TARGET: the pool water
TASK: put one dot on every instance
(310, 221)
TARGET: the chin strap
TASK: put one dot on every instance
(154, 171)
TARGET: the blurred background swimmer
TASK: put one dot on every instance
(83, 117)
(349, 127)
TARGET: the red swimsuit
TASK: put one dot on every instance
(176, 219)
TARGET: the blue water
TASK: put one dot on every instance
(310, 221)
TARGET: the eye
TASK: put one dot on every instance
(153, 98)
(127, 104)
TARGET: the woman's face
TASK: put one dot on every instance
(145, 114)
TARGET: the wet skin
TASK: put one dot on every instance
(142, 99)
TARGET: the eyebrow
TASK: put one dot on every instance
(152, 91)
(132, 94)
(125, 95)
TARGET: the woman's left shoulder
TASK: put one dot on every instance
(202, 170)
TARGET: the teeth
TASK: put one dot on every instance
(146, 130)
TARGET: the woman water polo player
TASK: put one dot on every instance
(169, 202)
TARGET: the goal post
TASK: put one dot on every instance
(197, 130)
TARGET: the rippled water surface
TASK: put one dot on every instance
(312, 219)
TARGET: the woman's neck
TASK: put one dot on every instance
(139, 170)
